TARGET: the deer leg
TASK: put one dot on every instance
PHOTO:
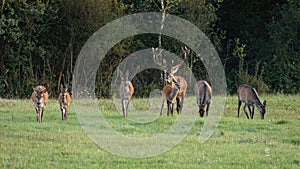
(42, 113)
(249, 108)
(181, 103)
(127, 105)
(66, 114)
(62, 113)
(246, 111)
(126, 108)
(172, 108)
(37, 114)
(252, 115)
(67, 110)
(178, 108)
(162, 106)
(207, 108)
(123, 108)
(169, 107)
(239, 106)
(39, 117)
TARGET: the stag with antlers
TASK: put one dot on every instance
(176, 86)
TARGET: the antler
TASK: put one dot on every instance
(186, 52)
(159, 60)
(157, 57)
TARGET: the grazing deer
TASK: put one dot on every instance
(64, 100)
(172, 82)
(249, 96)
(203, 94)
(126, 90)
(39, 98)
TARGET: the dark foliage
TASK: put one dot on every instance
(257, 41)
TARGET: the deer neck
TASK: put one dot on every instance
(258, 103)
(256, 99)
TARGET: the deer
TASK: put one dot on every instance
(39, 98)
(176, 86)
(169, 94)
(203, 94)
(64, 100)
(249, 96)
(126, 90)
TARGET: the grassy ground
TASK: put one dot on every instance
(236, 143)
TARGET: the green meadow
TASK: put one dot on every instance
(236, 143)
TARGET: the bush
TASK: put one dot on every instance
(254, 81)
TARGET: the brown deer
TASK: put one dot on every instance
(126, 90)
(170, 94)
(175, 85)
(39, 98)
(249, 96)
(203, 94)
(64, 100)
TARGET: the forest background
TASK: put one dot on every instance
(258, 42)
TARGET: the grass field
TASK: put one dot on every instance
(236, 143)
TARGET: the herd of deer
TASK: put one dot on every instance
(40, 96)
(174, 90)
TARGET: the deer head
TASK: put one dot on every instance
(169, 70)
(39, 93)
(63, 91)
(262, 109)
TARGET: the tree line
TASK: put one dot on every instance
(258, 42)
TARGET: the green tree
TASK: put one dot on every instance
(258, 25)
(26, 28)
(283, 66)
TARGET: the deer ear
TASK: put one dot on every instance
(153, 50)
(265, 102)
